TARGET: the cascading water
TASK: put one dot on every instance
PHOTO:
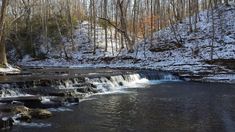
(55, 94)
(91, 84)
(158, 75)
(141, 79)
(113, 83)
(7, 91)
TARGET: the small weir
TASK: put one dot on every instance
(92, 83)
(139, 79)
(49, 93)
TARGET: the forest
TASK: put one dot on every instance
(117, 65)
(28, 24)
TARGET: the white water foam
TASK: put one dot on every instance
(60, 109)
(87, 99)
(33, 124)
(7, 92)
(117, 83)
(45, 99)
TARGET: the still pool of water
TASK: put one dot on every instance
(166, 107)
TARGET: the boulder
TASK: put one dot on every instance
(20, 109)
(6, 123)
(82, 89)
(40, 113)
(24, 117)
(72, 100)
(87, 89)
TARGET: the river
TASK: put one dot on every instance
(163, 107)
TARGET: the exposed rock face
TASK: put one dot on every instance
(26, 114)
(228, 63)
(161, 47)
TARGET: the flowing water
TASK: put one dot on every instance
(144, 102)
(166, 107)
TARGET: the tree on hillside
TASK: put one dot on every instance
(106, 29)
(3, 58)
(38, 27)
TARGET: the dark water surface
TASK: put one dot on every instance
(168, 107)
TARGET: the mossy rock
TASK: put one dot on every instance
(40, 113)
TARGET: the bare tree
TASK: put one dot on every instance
(94, 24)
(70, 22)
(213, 32)
(3, 58)
(105, 24)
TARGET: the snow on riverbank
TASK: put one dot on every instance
(190, 59)
(230, 78)
(9, 69)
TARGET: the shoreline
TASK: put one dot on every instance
(186, 75)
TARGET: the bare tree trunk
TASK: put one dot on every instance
(213, 33)
(151, 25)
(94, 23)
(190, 16)
(116, 33)
(134, 22)
(124, 27)
(196, 10)
(106, 30)
(70, 21)
(3, 58)
(44, 13)
(63, 47)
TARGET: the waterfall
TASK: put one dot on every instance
(135, 80)
(7, 91)
(158, 75)
(117, 82)
(88, 84)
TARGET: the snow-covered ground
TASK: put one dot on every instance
(9, 69)
(230, 78)
(189, 59)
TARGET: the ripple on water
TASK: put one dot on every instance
(60, 109)
(33, 124)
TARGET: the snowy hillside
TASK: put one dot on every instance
(190, 59)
